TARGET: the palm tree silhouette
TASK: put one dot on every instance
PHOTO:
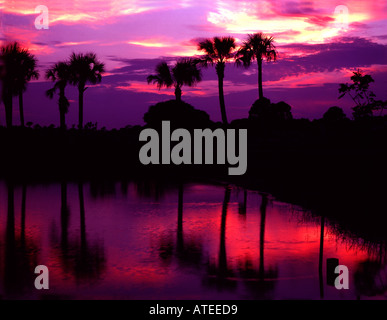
(217, 52)
(184, 72)
(19, 67)
(28, 64)
(60, 73)
(84, 68)
(258, 46)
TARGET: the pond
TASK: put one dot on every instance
(153, 240)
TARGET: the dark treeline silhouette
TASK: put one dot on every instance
(18, 66)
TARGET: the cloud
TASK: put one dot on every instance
(312, 21)
(86, 11)
(305, 65)
(312, 50)
(73, 43)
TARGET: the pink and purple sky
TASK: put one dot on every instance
(316, 53)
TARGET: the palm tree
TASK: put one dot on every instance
(19, 67)
(217, 52)
(184, 72)
(258, 47)
(60, 73)
(84, 68)
(28, 64)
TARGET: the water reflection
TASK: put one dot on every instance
(163, 240)
(321, 257)
(188, 253)
(20, 251)
(220, 275)
(260, 282)
(79, 259)
(370, 279)
(243, 204)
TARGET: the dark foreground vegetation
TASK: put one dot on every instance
(333, 166)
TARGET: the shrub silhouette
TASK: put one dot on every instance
(334, 114)
(263, 109)
(359, 91)
(180, 113)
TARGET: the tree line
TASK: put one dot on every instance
(18, 67)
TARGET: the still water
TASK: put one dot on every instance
(157, 241)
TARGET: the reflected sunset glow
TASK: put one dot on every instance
(150, 254)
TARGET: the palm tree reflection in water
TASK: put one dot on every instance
(80, 259)
(21, 253)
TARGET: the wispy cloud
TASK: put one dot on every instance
(308, 20)
(85, 11)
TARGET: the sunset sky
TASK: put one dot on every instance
(316, 52)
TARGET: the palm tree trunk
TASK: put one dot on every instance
(220, 72)
(260, 86)
(62, 114)
(8, 108)
(62, 119)
(21, 111)
(81, 91)
(178, 93)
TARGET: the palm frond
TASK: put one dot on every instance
(50, 93)
(163, 76)
(186, 72)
